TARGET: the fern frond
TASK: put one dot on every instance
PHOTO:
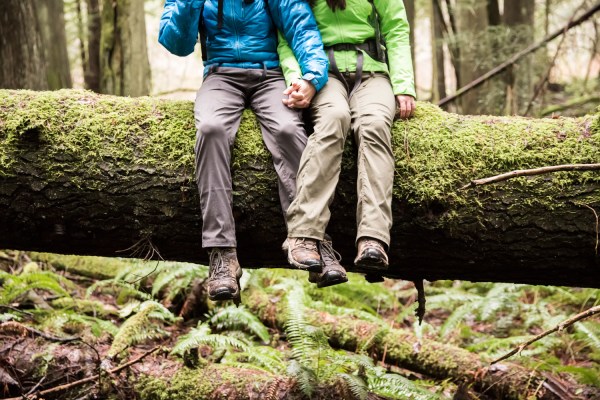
(589, 337)
(305, 378)
(356, 385)
(141, 326)
(397, 387)
(346, 311)
(264, 358)
(14, 286)
(457, 317)
(127, 290)
(175, 278)
(201, 335)
(233, 317)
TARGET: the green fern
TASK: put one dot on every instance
(397, 387)
(264, 358)
(305, 378)
(177, 278)
(201, 335)
(70, 322)
(141, 326)
(238, 318)
(356, 385)
(126, 291)
(14, 286)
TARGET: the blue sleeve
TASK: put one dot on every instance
(295, 20)
(179, 22)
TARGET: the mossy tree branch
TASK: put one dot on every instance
(87, 174)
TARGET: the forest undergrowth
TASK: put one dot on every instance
(64, 319)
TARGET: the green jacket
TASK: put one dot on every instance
(352, 26)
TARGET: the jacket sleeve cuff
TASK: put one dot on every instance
(317, 83)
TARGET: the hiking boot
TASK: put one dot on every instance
(371, 254)
(224, 275)
(303, 253)
(333, 272)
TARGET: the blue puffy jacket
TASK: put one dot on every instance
(248, 35)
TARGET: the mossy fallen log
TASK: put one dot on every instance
(87, 174)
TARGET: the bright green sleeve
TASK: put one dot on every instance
(395, 30)
(287, 60)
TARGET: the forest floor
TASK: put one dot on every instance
(98, 328)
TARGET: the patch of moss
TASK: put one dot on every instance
(89, 266)
(215, 381)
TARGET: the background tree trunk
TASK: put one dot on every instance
(437, 46)
(472, 21)
(21, 47)
(519, 18)
(51, 19)
(125, 69)
(101, 175)
(94, 25)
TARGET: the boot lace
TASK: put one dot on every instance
(219, 264)
(328, 252)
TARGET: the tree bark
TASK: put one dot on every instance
(24, 65)
(51, 18)
(94, 25)
(99, 175)
(472, 24)
(125, 68)
(519, 17)
(438, 87)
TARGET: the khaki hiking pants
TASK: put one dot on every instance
(220, 102)
(369, 114)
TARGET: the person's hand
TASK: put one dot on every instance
(405, 106)
(300, 94)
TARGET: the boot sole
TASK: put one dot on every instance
(334, 280)
(371, 264)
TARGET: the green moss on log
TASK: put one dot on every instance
(213, 382)
(436, 152)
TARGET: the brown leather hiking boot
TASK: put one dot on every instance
(224, 274)
(303, 253)
(333, 273)
(371, 254)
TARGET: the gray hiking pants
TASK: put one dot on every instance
(220, 102)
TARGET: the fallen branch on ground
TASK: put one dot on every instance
(557, 328)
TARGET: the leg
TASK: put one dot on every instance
(218, 109)
(320, 164)
(283, 133)
(373, 107)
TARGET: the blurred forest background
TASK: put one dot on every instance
(111, 47)
(69, 324)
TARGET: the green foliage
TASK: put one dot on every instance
(238, 318)
(14, 286)
(202, 335)
(165, 279)
(141, 326)
(265, 358)
(397, 387)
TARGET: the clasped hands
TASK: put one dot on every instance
(301, 92)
